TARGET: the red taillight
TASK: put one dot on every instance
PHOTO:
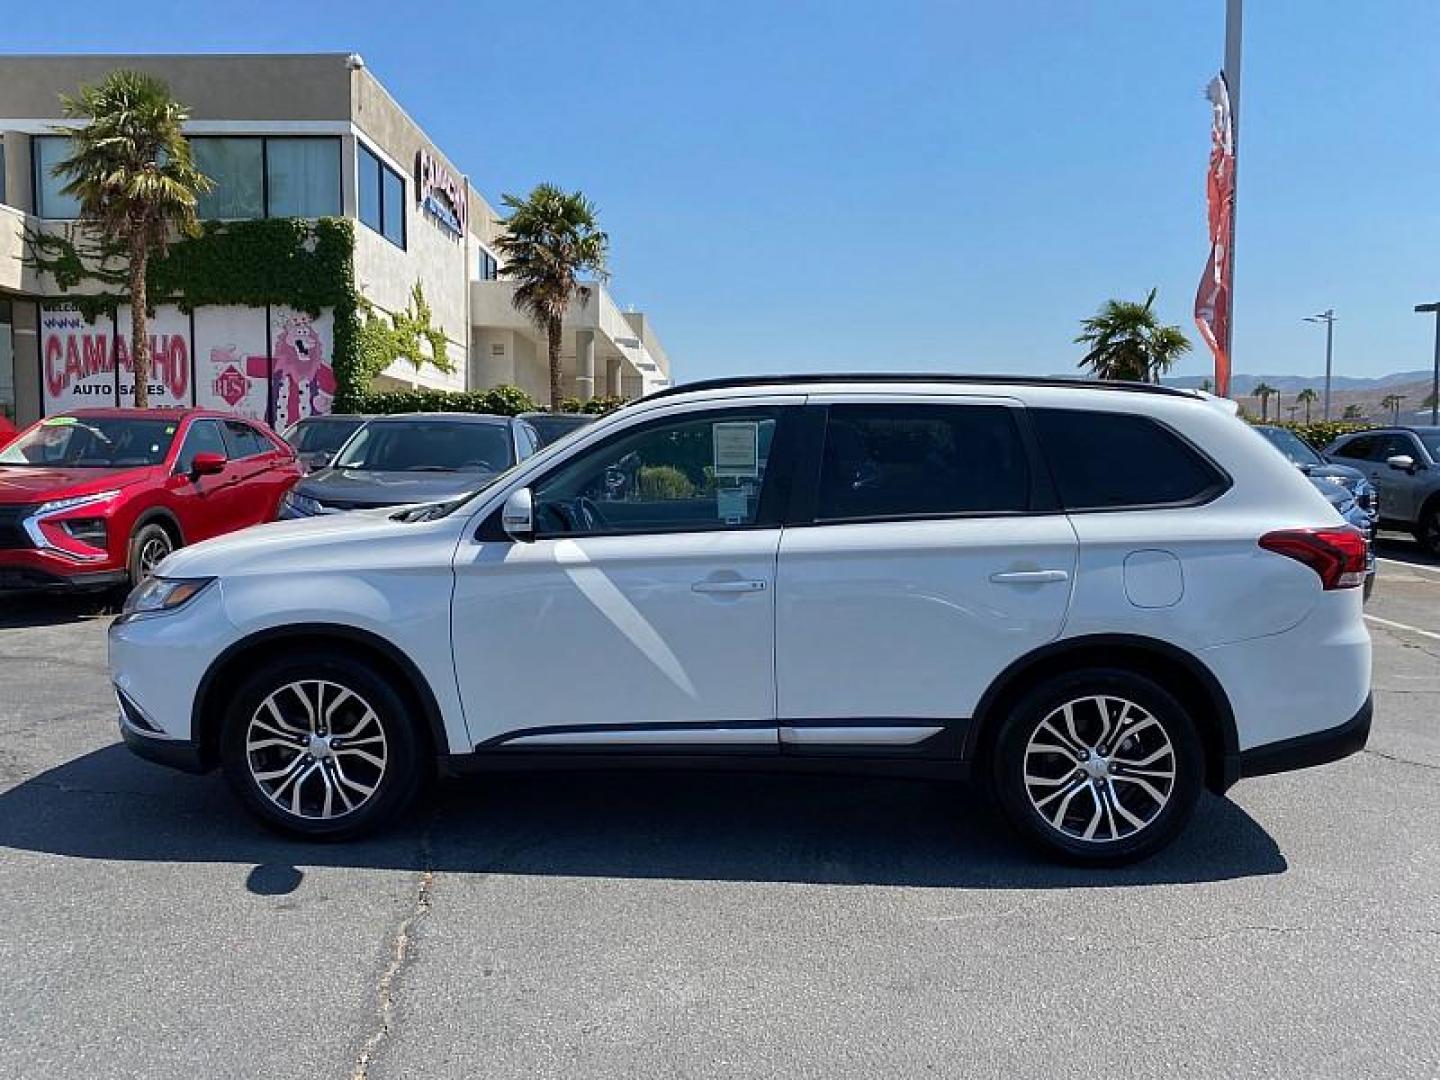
(1337, 555)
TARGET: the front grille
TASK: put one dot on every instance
(350, 504)
(12, 533)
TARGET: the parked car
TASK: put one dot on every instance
(1347, 489)
(412, 458)
(98, 497)
(7, 430)
(317, 439)
(933, 575)
(1401, 463)
(552, 426)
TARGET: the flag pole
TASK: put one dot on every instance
(1233, 18)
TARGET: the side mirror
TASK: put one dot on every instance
(1404, 462)
(207, 463)
(517, 517)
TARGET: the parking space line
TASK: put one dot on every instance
(1408, 565)
(1402, 626)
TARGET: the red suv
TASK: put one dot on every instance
(98, 497)
(7, 430)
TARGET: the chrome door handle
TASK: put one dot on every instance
(728, 586)
(1028, 577)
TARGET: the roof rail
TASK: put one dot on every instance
(740, 381)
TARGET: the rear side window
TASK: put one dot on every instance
(1104, 460)
(245, 441)
(888, 460)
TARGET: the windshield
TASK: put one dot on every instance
(88, 442)
(321, 436)
(550, 428)
(1292, 446)
(428, 446)
(1432, 444)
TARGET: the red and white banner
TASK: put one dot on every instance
(169, 379)
(77, 360)
(1213, 298)
(232, 363)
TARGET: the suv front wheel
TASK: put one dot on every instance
(1100, 767)
(319, 746)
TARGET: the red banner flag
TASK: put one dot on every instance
(1212, 299)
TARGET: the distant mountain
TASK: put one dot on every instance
(1244, 385)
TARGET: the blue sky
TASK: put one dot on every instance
(896, 185)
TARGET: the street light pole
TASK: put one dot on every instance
(1328, 318)
(1435, 373)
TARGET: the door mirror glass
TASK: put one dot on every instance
(1401, 461)
(207, 463)
(517, 517)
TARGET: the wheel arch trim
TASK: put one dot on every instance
(1221, 769)
(205, 723)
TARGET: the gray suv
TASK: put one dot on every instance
(1404, 465)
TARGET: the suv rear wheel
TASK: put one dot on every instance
(318, 746)
(1100, 767)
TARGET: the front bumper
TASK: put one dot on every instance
(1305, 751)
(33, 569)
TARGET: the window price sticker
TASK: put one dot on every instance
(737, 449)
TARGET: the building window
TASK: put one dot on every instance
(48, 151)
(489, 268)
(7, 362)
(382, 197)
(302, 177)
(237, 168)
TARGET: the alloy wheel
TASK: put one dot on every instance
(1099, 769)
(152, 553)
(316, 749)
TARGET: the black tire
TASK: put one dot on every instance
(148, 546)
(400, 747)
(1071, 793)
(1427, 531)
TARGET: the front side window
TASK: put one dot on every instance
(237, 169)
(429, 446)
(1108, 460)
(686, 474)
(48, 151)
(1388, 446)
(203, 438)
(88, 442)
(303, 177)
(889, 460)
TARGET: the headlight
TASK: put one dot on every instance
(156, 595)
(56, 505)
(302, 504)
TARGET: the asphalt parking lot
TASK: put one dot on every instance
(707, 926)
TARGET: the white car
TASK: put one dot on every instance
(1093, 598)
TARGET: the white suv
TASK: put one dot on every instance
(1093, 598)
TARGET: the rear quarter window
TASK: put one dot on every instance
(1108, 461)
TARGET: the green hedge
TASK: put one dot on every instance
(1318, 433)
(499, 400)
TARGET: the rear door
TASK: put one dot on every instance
(928, 554)
(258, 474)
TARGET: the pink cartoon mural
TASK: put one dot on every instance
(302, 382)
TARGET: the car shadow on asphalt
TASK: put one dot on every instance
(22, 610)
(696, 826)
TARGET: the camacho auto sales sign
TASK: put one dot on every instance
(80, 361)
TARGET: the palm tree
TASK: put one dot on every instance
(1128, 342)
(1306, 397)
(1263, 391)
(1392, 402)
(1353, 412)
(130, 168)
(550, 238)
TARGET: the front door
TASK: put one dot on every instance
(926, 571)
(642, 616)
